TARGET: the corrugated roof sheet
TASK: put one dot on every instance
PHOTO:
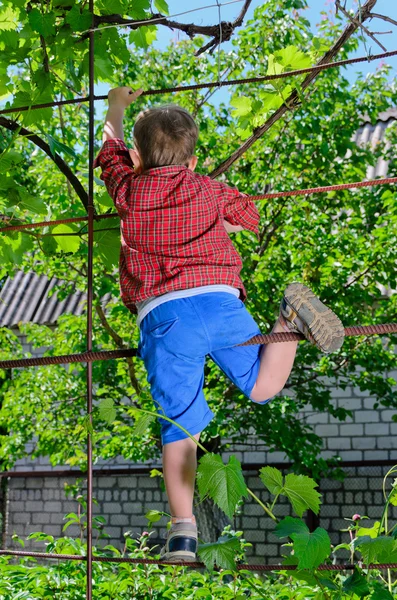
(25, 297)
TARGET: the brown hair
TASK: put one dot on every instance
(165, 135)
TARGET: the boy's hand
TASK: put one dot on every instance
(123, 96)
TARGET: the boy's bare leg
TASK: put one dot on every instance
(276, 363)
(179, 469)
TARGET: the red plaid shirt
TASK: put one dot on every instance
(172, 232)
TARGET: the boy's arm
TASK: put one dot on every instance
(119, 99)
(114, 157)
(238, 213)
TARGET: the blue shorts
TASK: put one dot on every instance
(175, 339)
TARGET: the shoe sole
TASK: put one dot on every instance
(179, 557)
(325, 328)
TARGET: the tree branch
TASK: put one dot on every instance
(388, 19)
(120, 344)
(293, 100)
(60, 163)
(191, 29)
(359, 22)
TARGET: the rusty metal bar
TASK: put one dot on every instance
(198, 86)
(90, 261)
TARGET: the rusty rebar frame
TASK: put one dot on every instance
(90, 356)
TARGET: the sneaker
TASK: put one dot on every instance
(181, 544)
(305, 313)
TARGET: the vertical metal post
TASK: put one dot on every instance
(90, 296)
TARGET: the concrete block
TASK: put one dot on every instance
(250, 523)
(276, 457)
(369, 403)
(317, 418)
(130, 482)
(326, 430)
(339, 443)
(353, 483)
(387, 442)
(351, 403)
(24, 518)
(132, 495)
(34, 507)
(367, 416)
(351, 454)
(361, 393)
(39, 518)
(108, 482)
(16, 506)
(377, 429)
(121, 520)
(351, 430)
(132, 508)
(112, 508)
(57, 519)
(108, 495)
(330, 484)
(252, 510)
(387, 415)
(376, 455)
(34, 483)
(337, 392)
(393, 428)
(364, 443)
(53, 507)
(114, 532)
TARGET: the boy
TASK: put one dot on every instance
(180, 272)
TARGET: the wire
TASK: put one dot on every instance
(151, 21)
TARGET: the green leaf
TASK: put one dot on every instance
(143, 37)
(223, 483)
(153, 516)
(56, 146)
(138, 9)
(107, 243)
(380, 592)
(311, 548)
(142, 424)
(372, 532)
(8, 160)
(356, 584)
(32, 203)
(380, 549)
(299, 489)
(107, 411)
(79, 21)
(289, 526)
(67, 243)
(221, 553)
(301, 493)
(162, 6)
(43, 23)
(243, 106)
(8, 19)
(272, 478)
(104, 68)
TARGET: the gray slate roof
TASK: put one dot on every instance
(25, 297)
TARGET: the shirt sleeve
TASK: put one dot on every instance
(117, 170)
(236, 208)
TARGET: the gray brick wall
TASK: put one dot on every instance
(39, 504)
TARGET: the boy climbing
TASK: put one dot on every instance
(180, 272)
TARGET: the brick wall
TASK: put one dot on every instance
(39, 504)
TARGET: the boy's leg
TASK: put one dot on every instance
(179, 469)
(300, 311)
(276, 362)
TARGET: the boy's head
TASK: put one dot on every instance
(165, 135)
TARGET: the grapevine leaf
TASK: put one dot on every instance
(142, 424)
(43, 23)
(153, 516)
(301, 493)
(138, 8)
(107, 411)
(79, 21)
(8, 19)
(356, 584)
(272, 478)
(289, 526)
(56, 146)
(221, 553)
(223, 483)
(372, 532)
(143, 37)
(67, 243)
(380, 592)
(162, 6)
(243, 106)
(311, 548)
